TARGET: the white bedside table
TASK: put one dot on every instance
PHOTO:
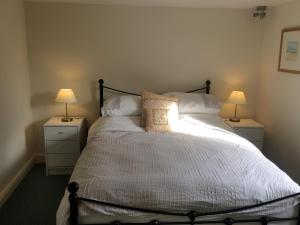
(63, 144)
(249, 129)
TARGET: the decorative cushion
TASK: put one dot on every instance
(159, 113)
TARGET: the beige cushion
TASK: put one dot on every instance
(159, 113)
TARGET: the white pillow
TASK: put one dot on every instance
(192, 103)
(122, 106)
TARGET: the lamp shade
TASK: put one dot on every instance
(65, 96)
(237, 97)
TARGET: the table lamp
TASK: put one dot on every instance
(237, 98)
(66, 96)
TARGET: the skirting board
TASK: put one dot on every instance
(14, 182)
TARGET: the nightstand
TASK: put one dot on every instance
(249, 129)
(63, 144)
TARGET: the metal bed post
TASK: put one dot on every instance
(192, 216)
(265, 220)
(298, 220)
(207, 88)
(101, 82)
(73, 200)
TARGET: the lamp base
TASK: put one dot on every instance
(236, 120)
(66, 119)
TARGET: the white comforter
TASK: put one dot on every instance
(200, 167)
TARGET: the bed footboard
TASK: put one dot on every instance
(191, 217)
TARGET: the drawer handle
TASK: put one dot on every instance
(60, 132)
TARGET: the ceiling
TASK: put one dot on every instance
(179, 3)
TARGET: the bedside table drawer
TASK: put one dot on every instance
(62, 160)
(60, 147)
(61, 133)
(252, 134)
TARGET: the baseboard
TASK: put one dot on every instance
(14, 182)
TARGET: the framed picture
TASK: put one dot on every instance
(289, 57)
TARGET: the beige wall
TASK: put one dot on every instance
(15, 110)
(278, 103)
(135, 48)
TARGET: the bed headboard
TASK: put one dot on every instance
(205, 88)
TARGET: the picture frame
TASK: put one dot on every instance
(289, 56)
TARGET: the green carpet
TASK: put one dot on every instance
(36, 199)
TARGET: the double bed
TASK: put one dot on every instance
(202, 173)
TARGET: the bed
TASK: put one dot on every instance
(202, 173)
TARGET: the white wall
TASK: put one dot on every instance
(15, 113)
(278, 105)
(135, 48)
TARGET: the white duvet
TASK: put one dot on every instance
(202, 166)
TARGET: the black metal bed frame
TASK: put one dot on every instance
(192, 216)
(206, 88)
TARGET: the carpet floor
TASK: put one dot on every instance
(36, 199)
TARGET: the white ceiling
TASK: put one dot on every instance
(180, 3)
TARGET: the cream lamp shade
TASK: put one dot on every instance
(66, 96)
(237, 97)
